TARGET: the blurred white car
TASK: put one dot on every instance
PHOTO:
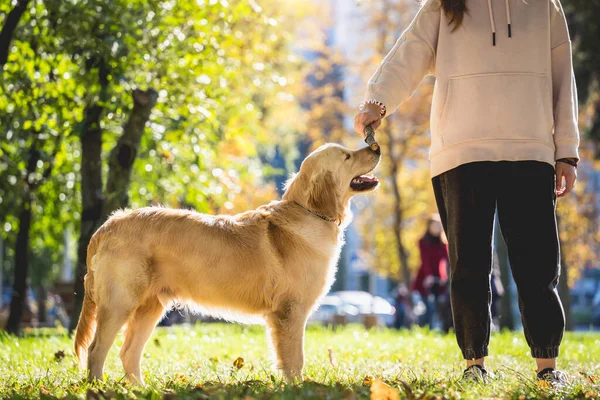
(329, 307)
(354, 306)
(367, 304)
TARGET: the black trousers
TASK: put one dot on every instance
(523, 192)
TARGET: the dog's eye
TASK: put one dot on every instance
(347, 156)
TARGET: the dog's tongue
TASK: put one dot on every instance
(366, 178)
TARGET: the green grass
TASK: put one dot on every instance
(197, 362)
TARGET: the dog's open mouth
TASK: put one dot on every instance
(363, 182)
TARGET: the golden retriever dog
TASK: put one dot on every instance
(273, 263)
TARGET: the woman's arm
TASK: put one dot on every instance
(564, 91)
(404, 67)
(411, 58)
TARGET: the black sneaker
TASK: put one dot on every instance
(475, 374)
(553, 378)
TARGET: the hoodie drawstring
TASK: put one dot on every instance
(493, 23)
(508, 18)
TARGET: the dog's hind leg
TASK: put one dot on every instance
(286, 329)
(139, 328)
(110, 321)
(121, 287)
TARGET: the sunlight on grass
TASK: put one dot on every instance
(231, 361)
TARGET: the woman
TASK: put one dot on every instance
(503, 135)
(431, 277)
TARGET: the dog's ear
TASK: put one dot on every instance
(288, 183)
(323, 194)
(294, 187)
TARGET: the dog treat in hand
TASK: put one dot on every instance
(370, 138)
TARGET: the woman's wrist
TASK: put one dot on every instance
(571, 161)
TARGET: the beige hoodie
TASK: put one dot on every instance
(504, 90)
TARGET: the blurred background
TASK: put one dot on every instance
(210, 105)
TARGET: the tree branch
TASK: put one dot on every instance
(125, 151)
(48, 171)
(12, 20)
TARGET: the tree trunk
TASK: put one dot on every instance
(402, 253)
(92, 199)
(1, 270)
(405, 276)
(125, 151)
(19, 291)
(10, 24)
(506, 314)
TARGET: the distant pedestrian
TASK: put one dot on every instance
(432, 277)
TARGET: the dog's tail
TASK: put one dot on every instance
(86, 327)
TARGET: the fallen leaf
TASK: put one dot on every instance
(590, 378)
(59, 355)
(368, 380)
(544, 384)
(44, 391)
(331, 357)
(238, 363)
(381, 391)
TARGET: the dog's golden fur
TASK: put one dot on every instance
(273, 263)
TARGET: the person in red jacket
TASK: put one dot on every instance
(432, 276)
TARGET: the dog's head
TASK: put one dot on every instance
(330, 176)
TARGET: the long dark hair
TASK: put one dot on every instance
(455, 10)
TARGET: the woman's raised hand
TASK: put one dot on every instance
(369, 115)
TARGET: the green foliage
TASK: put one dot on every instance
(224, 71)
(39, 103)
(198, 362)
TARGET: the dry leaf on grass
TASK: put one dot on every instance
(368, 380)
(331, 357)
(59, 355)
(544, 384)
(381, 391)
(238, 363)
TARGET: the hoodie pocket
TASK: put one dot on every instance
(503, 106)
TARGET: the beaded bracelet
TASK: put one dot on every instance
(382, 109)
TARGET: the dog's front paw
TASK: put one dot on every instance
(293, 377)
